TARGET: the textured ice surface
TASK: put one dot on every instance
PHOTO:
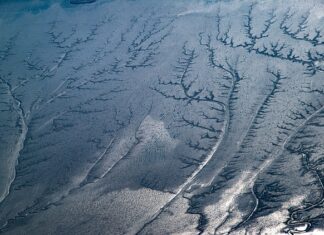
(162, 117)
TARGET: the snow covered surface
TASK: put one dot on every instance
(162, 117)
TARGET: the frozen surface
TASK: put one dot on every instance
(162, 117)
